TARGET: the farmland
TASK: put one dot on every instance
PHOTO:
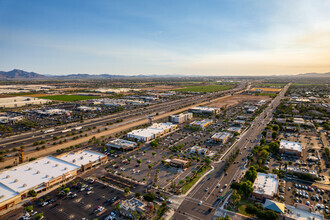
(274, 85)
(206, 88)
(68, 98)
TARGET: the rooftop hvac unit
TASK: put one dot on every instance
(38, 172)
(24, 185)
(16, 180)
(7, 176)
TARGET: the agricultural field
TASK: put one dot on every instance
(207, 88)
(68, 98)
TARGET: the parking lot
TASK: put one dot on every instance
(307, 194)
(79, 204)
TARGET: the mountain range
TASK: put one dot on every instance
(21, 74)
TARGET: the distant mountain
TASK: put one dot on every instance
(314, 75)
(19, 74)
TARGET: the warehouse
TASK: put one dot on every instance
(20, 101)
(289, 147)
(152, 132)
(180, 118)
(221, 137)
(265, 186)
(202, 124)
(121, 144)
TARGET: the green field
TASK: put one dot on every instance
(274, 85)
(68, 98)
(208, 88)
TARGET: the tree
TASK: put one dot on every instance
(32, 193)
(274, 147)
(276, 128)
(262, 141)
(39, 216)
(264, 154)
(137, 195)
(139, 161)
(246, 188)
(66, 190)
(251, 174)
(150, 166)
(274, 134)
(127, 190)
(207, 161)
(29, 208)
(149, 197)
(153, 153)
(236, 197)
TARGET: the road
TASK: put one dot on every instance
(189, 208)
(27, 139)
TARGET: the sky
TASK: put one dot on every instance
(176, 37)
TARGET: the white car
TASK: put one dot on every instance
(221, 190)
(200, 202)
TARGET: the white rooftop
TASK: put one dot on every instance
(266, 184)
(32, 174)
(82, 157)
(221, 135)
(301, 214)
(289, 145)
(154, 129)
(6, 193)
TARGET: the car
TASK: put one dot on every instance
(200, 202)
(169, 201)
(89, 192)
(218, 185)
(221, 190)
(307, 203)
(74, 195)
(225, 185)
(206, 189)
(326, 211)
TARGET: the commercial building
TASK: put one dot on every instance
(265, 186)
(296, 170)
(180, 118)
(85, 159)
(239, 122)
(152, 132)
(204, 110)
(179, 163)
(121, 144)
(221, 137)
(202, 124)
(199, 150)
(54, 111)
(301, 212)
(20, 101)
(289, 147)
(39, 175)
(235, 129)
(43, 174)
(130, 206)
(87, 108)
(10, 119)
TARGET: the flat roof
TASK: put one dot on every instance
(32, 174)
(82, 157)
(121, 142)
(302, 214)
(6, 193)
(221, 135)
(154, 129)
(290, 145)
(266, 184)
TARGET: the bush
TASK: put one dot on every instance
(149, 197)
(32, 193)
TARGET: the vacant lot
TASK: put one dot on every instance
(237, 99)
(208, 88)
(267, 89)
(68, 98)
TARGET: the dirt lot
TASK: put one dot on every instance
(235, 100)
(267, 89)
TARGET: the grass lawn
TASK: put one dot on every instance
(186, 187)
(208, 88)
(242, 205)
(68, 98)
